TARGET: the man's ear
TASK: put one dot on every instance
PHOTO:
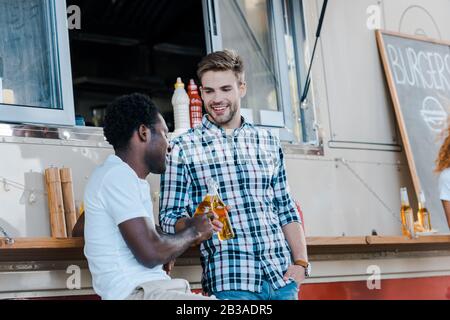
(144, 133)
(243, 89)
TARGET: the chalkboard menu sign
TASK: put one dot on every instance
(418, 73)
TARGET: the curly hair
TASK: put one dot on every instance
(125, 115)
(443, 160)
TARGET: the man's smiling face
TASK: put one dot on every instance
(222, 92)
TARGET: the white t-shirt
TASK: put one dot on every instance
(115, 194)
(444, 185)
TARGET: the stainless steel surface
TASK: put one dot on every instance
(25, 283)
(95, 135)
(299, 149)
(52, 132)
(26, 266)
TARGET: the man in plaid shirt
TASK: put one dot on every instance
(267, 258)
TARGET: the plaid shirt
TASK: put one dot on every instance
(249, 168)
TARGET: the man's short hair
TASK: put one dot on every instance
(125, 115)
(222, 61)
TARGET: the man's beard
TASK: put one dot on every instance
(223, 120)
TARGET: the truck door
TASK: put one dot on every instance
(270, 37)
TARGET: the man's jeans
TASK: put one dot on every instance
(289, 292)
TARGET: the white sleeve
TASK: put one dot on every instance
(444, 185)
(121, 196)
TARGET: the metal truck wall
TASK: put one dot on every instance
(357, 119)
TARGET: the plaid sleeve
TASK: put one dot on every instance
(174, 195)
(287, 210)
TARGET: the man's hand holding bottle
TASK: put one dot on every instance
(205, 225)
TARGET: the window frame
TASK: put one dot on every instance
(62, 81)
(300, 35)
(214, 43)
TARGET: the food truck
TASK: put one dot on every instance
(346, 153)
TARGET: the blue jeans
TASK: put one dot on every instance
(289, 292)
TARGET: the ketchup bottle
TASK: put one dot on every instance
(195, 104)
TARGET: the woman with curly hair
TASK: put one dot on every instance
(443, 168)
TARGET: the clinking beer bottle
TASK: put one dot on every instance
(423, 215)
(407, 215)
(212, 203)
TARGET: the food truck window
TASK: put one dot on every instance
(127, 46)
(295, 40)
(248, 30)
(34, 67)
(270, 35)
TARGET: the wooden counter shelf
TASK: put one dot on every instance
(329, 246)
(48, 249)
(373, 244)
(41, 249)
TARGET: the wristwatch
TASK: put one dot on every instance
(305, 265)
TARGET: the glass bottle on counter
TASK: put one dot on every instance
(212, 203)
(407, 215)
(423, 215)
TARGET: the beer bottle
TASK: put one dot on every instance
(212, 203)
(423, 215)
(206, 206)
(407, 215)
